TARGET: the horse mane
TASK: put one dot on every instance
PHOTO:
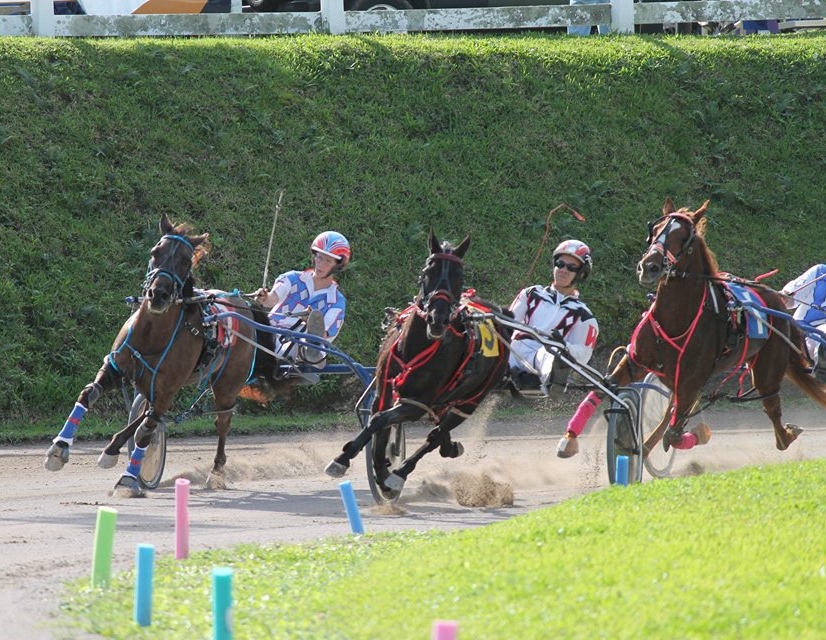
(708, 257)
(201, 250)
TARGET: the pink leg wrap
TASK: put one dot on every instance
(583, 413)
(688, 441)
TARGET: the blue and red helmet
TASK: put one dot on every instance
(333, 244)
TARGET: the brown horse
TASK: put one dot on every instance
(165, 346)
(698, 326)
(435, 361)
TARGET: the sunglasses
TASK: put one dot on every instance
(573, 268)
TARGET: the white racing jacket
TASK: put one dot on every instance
(547, 310)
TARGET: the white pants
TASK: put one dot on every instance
(532, 352)
(813, 345)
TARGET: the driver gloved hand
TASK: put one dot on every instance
(556, 336)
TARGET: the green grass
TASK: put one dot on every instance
(735, 555)
(382, 137)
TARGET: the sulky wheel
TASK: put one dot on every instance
(655, 399)
(385, 453)
(624, 436)
(155, 458)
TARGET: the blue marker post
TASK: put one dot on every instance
(222, 603)
(144, 571)
(622, 470)
(350, 505)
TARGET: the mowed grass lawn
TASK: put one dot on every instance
(734, 555)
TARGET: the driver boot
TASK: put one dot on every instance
(315, 327)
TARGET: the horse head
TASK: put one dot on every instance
(169, 273)
(441, 283)
(670, 242)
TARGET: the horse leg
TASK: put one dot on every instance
(438, 438)
(109, 456)
(783, 435)
(700, 434)
(128, 485)
(216, 479)
(395, 481)
(338, 466)
(105, 380)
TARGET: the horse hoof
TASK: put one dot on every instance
(792, 431)
(216, 481)
(107, 460)
(57, 456)
(335, 469)
(671, 438)
(453, 450)
(394, 482)
(127, 487)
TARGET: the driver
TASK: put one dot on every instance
(557, 310)
(314, 291)
(806, 294)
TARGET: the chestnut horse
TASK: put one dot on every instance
(695, 328)
(163, 347)
(435, 361)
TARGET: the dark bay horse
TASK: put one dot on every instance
(165, 346)
(434, 361)
(698, 326)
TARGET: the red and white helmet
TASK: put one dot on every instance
(333, 244)
(579, 250)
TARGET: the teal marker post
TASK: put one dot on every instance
(222, 603)
(104, 543)
(144, 574)
(351, 506)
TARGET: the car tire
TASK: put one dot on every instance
(377, 5)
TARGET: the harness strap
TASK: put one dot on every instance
(678, 343)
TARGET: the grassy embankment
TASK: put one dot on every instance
(380, 138)
(736, 555)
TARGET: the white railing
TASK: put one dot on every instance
(623, 15)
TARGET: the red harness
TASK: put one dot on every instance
(423, 357)
(679, 344)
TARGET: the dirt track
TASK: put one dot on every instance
(278, 493)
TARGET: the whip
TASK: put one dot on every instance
(272, 235)
(573, 212)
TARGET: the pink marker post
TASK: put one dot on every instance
(445, 630)
(181, 518)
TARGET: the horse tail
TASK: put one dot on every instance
(801, 375)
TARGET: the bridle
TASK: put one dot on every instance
(442, 289)
(178, 282)
(657, 245)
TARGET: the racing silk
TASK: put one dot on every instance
(296, 293)
(547, 310)
(809, 293)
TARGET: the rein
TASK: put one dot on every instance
(181, 323)
(421, 359)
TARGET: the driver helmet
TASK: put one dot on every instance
(578, 250)
(333, 244)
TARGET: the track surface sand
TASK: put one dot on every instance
(278, 493)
